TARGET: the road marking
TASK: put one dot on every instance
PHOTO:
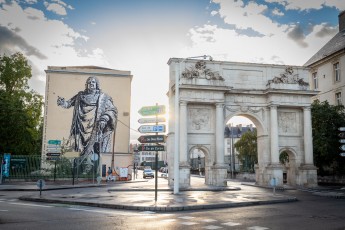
(186, 217)
(212, 227)
(76, 209)
(3, 210)
(147, 212)
(257, 228)
(105, 211)
(208, 220)
(231, 224)
(189, 223)
(168, 220)
(33, 205)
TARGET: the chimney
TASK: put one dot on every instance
(341, 18)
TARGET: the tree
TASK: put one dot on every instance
(248, 150)
(20, 108)
(326, 119)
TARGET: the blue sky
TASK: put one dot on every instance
(141, 35)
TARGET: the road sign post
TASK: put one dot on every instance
(152, 139)
(152, 128)
(151, 120)
(151, 148)
(152, 110)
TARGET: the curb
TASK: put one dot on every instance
(170, 190)
(161, 208)
(54, 188)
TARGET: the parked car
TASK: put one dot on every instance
(148, 173)
(164, 175)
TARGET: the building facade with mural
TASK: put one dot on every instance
(87, 115)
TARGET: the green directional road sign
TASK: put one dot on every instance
(152, 110)
(151, 120)
(151, 148)
(54, 142)
(152, 139)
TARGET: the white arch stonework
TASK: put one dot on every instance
(275, 97)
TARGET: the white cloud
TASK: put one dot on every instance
(248, 16)
(51, 38)
(280, 44)
(277, 12)
(308, 5)
(213, 13)
(56, 8)
(31, 1)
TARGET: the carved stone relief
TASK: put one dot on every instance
(199, 70)
(288, 77)
(200, 119)
(244, 109)
(287, 122)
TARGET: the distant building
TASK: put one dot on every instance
(233, 134)
(327, 68)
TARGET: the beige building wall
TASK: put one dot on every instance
(326, 83)
(67, 82)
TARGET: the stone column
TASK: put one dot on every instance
(274, 135)
(219, 134)
(184, 165)
(183, 132)
(308, 139)
(219, 170)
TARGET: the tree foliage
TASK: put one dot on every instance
(21, 108)
(326, 119)
(248, 150)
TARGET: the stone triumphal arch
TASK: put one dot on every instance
(276, 98)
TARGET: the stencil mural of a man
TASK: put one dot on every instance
(93, 123)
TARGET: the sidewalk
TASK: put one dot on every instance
(140, 195)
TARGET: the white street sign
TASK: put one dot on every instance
(151, 120)
(342, 147)
(341, 128)
(152, 128)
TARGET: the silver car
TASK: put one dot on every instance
(148, 173)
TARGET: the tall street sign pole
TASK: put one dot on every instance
(177, 131)
(156, 176)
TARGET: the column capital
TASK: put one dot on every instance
(183, 102)
(219, 104)
(273, 106)
(306, 108)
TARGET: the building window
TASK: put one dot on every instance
(315, 81)
(338, 98)
(336, 69)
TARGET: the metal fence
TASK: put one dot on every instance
(31, 168)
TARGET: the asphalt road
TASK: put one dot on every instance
(310, 212)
